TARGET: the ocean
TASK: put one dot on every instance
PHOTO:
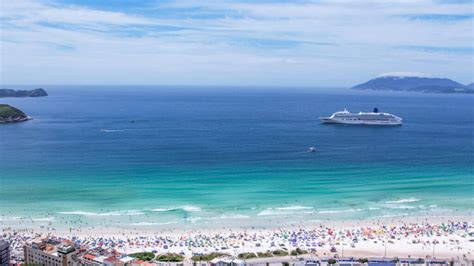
(195, 156)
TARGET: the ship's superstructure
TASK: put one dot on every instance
(362, 118)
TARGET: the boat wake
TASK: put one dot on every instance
(112, 130)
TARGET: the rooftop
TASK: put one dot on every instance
(102, 255)
(51, 245)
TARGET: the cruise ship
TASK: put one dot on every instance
(361, 118)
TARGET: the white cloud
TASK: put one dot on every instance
(27, 12)
(320, 43)
(405, 74)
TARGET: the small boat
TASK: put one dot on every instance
(312, 149)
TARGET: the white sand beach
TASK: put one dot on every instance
(404, 237)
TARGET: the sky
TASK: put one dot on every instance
(237, 42)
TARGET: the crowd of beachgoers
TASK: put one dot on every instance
(423, 239)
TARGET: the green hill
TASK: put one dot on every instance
(11, 114)
(420, 84)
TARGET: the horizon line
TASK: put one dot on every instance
(3, 86)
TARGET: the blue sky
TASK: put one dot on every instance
(235, 42)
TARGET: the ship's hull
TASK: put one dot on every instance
(327, 120)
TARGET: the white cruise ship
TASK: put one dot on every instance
(361, 118)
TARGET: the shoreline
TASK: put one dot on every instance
(446, 237)
(137, 221)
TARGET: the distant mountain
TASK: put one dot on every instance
(23, 93)
(470, 86)
(420, 84)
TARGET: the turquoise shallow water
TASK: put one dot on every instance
(195, 156)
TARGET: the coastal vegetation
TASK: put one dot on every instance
(267, 254)
(170, 257)
(208, 256)
(11, 114)
(247, 255)
(145, 256)
(280, 252)
(39, 92)
(298, 251)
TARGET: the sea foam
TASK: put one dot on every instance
(403, 200)
(150, 223)
(113, 213)
(291, 208)
(340, 211)
(233, 216)
(186, 208)
(286, 210)
(46, 219)
(11, 218)
(401, 207)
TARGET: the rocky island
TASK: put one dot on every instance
(413, 83)
(9, 114)
(39, 92)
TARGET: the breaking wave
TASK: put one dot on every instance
(233, 216)
(286, 210)
(150, 223)
(46, 219)
(403, 200)
(401, 207)
(291, 208)
(113, 213)
(340, 211)
(183, 208)
(11, 218)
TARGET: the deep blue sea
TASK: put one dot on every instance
(135, 155)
